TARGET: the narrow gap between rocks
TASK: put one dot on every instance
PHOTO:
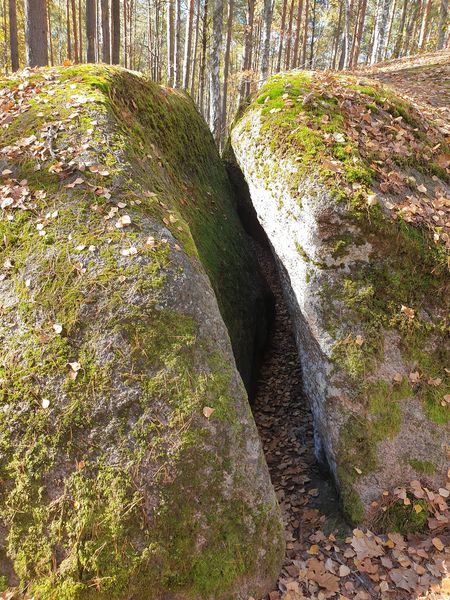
(305, 489)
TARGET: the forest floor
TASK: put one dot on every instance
(324, 557)
(423, 79)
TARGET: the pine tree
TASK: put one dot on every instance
(36, 33)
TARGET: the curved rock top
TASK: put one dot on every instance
(350, 181)
(130, 462)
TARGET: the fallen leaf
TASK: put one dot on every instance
(344, 571)
(208, 411)
(437, 543)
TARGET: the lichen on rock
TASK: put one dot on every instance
(351, 184)
(130, 462)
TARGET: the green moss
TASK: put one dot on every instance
(356, 457)
(425, 467)
(77, 525)
(405, 518)
(383, 403)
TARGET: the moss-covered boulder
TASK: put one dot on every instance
(130, 463)
(351, 184)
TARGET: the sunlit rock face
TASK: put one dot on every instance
(364, 276)
(130, 462)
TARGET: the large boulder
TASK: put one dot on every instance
(350, 183)
(131, 467)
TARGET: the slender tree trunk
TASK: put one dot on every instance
(75, 31)
(343, 59)
(214, 101)
(69, 37)
(410, 41)
(391, 22)
(305, 33)
(424, 24)
(265, 55)
(176, 50)
(170, 40)
(287, 55)
(226, 62)
(195, 50)
(91, 29)
(298, 29)
(337, 37)
(380, 31)
(5, 35)
(201, 82)
(125, 33)
(400, 32)
(358, 34)
(282, 32)
(443, 14)
(50, 35)
(106, 38)
(188, 45)
(313, 33)
(115, 33)
(13, 41)
(80, 29)
(36, 33)
(247, 55)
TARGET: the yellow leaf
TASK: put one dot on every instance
(418, 508)
(437, 543)
(208, 411)
(314, 550)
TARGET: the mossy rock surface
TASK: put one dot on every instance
(351, 184)
(130, 463)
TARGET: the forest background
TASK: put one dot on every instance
(219, 51)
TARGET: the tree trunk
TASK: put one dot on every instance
(188, 45)
(282, 28)
(265, 55)
(50, 35)
(201, 81)
(91, 29)
(424, 24)
(214, 101)
(69, 37)
(247, 55)
(337, 36)
(391, 22)
(75, 32)
(443, 14)
(195, 50)
(400, 32)
(106, 38)
(80, 30)
(170, 40)
(36, 33)
(298, 29)
(313, 33)
(226, 61)
(287, 56)
(176, 49)
(411, 27)
(305, 33)
(13, 42)
(380, 31)
(358, 34)
(115, 33)
(343, 59)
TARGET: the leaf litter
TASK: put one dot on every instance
(324, 558)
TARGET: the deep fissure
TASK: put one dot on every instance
(303, 484)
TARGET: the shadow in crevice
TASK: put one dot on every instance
(279, 405)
